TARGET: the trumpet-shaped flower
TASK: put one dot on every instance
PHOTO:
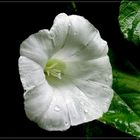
(66, 74)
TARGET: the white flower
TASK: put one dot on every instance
(66, 74)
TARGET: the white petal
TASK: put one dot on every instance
(57, 109)
(46, 106)
(37, 47)
(86, 101)
(98, 70)
(59, 30)
(96, 92)
(37, 102)
(57, 117)
(31, 73)
(83, 41)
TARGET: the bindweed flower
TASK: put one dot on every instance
(66, 74)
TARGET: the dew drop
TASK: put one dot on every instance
(120, 121)
(85, 119)
(126, 123)
(107, 100)
(116, 120)
(57, 108)
(104, 87)
(86, 111)
(66, 123)
(111, 111)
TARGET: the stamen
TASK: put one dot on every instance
(56, 73)
(54, 68)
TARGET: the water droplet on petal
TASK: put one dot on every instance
(104, 87)
(86, 111)
(66, 123)
(57, 108)
(107, 101)
(85, 119)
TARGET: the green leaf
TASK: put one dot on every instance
(124, 111)
(122, 117)
(129, 19)
(125, 83)
(133, 101)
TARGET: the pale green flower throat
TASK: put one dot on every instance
(54, 69)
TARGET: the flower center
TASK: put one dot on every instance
(54, 69)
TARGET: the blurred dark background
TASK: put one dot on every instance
(18, 20)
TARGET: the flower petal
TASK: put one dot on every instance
(46, 106)
(38, 47)
(59, 30)
(96, 92)
(31, 73)
(98, 70)
(83, 41)
(57, 109)
(37, 101)
(86, 101)
(57, 117)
